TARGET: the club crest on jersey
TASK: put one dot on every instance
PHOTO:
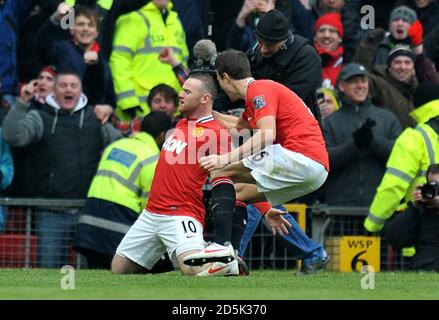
(197, 132)
(259, 102)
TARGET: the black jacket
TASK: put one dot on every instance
(66, 158)
(297, 65)
(418, 226)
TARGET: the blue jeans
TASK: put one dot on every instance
(54, 230)
(299, 244)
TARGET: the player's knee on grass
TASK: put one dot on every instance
(122, 265)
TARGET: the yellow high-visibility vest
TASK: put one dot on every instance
(139, 38)
(126, 171)
(413, 152)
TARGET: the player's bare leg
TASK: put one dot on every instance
(249, 193)
(123, 265)
(236, 171)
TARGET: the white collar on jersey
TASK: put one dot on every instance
(250, 81)
(205, 119)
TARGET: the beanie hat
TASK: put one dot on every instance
(273, 26)
(49, 69)
(400, 50)
(332, 19)
(424, 93)
(332, 94)
(404, 13)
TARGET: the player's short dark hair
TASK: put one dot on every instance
(155, 123)
(209, 84)
(89, 12)
(433, 169)
(167, 91)
(233, 62)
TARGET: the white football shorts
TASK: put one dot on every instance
(283, 175)
(153, 234)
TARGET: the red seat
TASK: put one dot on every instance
(13, 251)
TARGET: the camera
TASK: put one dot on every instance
(430, 190)
(203, 67)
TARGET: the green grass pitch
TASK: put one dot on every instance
(266, 285)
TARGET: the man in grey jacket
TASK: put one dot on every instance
(359, 137)
(65, 140)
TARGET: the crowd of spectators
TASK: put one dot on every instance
(76, 75)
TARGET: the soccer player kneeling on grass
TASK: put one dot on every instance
(173, 219)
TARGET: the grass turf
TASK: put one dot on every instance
(266, 285)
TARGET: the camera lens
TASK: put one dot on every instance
(430, 190)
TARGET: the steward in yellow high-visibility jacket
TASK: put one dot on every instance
(139, 38)
(119, 190)
(413, 152)
(104, 4)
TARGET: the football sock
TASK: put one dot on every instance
(239, 223)
(223, 207)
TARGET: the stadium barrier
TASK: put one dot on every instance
(20, 246)
(341, 229)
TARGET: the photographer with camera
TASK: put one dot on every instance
(418, 225)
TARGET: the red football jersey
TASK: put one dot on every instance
(178, 181)
(296, 128)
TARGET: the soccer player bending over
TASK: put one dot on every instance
(284, 159)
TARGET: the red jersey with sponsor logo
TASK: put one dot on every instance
(178, 181)
(296, 128)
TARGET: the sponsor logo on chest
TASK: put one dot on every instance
(174, 145)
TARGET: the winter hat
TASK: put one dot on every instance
(424, 93)
(332, 94)
(332, 19)
(400, 50)
(350, 70)
(273, 26)
(404, 13)
(50, 69)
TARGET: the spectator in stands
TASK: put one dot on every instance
(164, 98)
(328, 102)
(126, 169)
(11, 13)
(427, 11)
(404, 28)
(418, 225)
(79, 54)
(286, 58)
(65, 140)
(354, 20)
(328, 37)
(392, 86)
(22, 184)
(414, 151)
(359, 138)
(161, 98)
(305, 13)
(241, 35)
(139, 38)
(6, 175)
